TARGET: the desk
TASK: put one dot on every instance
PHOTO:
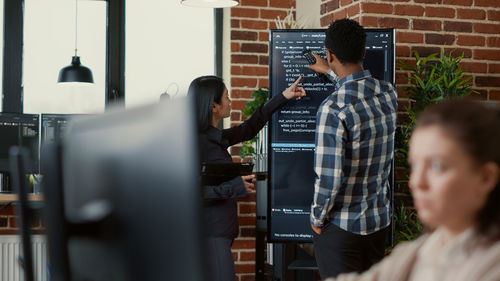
(10, 197)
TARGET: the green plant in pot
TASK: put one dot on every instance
(432, 79)
(259, 97)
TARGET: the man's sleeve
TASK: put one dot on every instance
(333, 77)
(328, 162)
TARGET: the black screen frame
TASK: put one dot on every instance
(392, 61)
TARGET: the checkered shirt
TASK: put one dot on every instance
(354, 149)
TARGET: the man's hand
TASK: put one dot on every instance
(294, 91)
(249, 182)
(320, 66)
(316, 229)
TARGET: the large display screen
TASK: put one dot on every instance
(292, 128)
(17, 129)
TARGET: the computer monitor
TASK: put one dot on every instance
(123, 196)
(18, 129)
(54, 126)
(291, 140)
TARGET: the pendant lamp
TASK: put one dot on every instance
(210, 3)
(75, 72)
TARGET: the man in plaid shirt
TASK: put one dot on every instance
(354, 149)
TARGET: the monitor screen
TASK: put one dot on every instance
(54, 126)
(17, 129)
(132, 178)
(291, 140)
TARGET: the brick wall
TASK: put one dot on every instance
(9, 221)
(468, 26)
(250, 25)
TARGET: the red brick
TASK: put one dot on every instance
(8, 211)
(243, 35)
(12, 222)
(439, 39)
(409, 37)
(260, 3)
(439, 12)
(425, 51)
(247, 256)
(238, 94)
(467, 53)
(341, 14)
(326, 20)
(248, 232)
(253, 24)
(402, 51)
(408, 10)
(4, 222)
(253, 48)
(429, 1)
(264, 36)
(236, 116)
(263, 82)
(247, 208)
(235, 23)
(236, 70)
(255, 70)
(401, 78)
(329, 6)
(241, 12)
(248, 221)
(470, 40)
(367, 21)
(471, 14)
(244, 59)
(352, 10)
(493, 41)
(244, 268)
(487, 81)
(493, 15)
(264, 60)
(243, 244)
(458, 2)
(282, 3)
(474, 67)
(272, 14)
(426, 24)
(345, 2)
(487, 3)
(487, 54)
(494, 95)
(458, 26)
(376, 8)
(487, 28)
(398, 23)
(10, 231)
(235, 47)
(243, 82)
(493, 68)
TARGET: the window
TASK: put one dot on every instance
(167, 46)
(49, 42)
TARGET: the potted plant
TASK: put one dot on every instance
(431, 80)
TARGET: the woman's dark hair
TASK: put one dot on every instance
(206, 90)
(476, 127)
(346, 39)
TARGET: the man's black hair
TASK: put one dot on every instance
(346, 39)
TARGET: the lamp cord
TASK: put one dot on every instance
(76, 25)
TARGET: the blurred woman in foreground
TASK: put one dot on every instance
(455, 158)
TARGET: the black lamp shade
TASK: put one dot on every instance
(75, 72)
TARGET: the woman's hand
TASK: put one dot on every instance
(294, 91)
(320, 66)
(249, 182)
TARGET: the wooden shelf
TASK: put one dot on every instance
(9, 197)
